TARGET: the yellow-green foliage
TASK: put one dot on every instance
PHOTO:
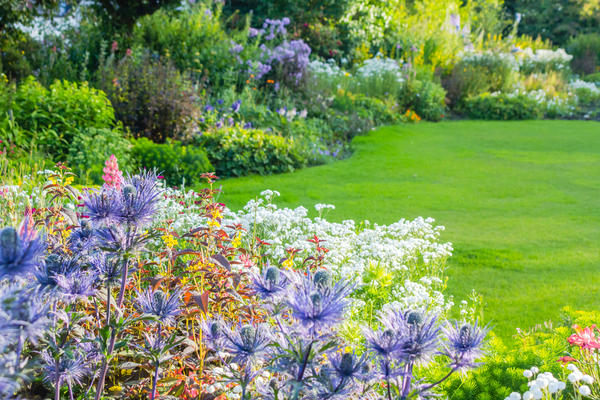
(502, 370)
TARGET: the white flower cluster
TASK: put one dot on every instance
(328, 68)
(403, 246)
(526, 59)
(546, 386)
(564, 105)
(583, 85)
(377, 66)
(557, 59)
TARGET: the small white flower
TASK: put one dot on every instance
(584, 390)
(587, 379)
(527, 395)
(514, 396)
(527, 374)
(575, 377)
(537, 394)
(562, 385)
(572, 367)
(535, 370)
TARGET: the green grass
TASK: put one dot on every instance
(520, 202)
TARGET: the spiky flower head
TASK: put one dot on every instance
(22, 312)
(55, 264)
(464, 344)
(77, 286)
(68, 368)
(20, 252)
(82, 238)
(139, 199)
(103, 206)
(108, 268)
(349, 366)
(212, 333)
(315, 306)
(164, 307)
(246, 342)
(271, 284)
(417, 332)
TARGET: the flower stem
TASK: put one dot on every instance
(155, 382)
(19, 350)
(113, 332)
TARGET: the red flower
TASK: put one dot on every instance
(566, 359)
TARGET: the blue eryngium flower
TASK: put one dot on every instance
(76, 286)
(160, 305)
(464, 345)
(270, 284)
(54, 265)
(315, 303)
(69, 368)
(246, 342)
(108, 268)
(103, 206)
(134, 204)
(139, 199)
(418, 333)
(19, 252)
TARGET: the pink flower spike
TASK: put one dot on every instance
(112, 176)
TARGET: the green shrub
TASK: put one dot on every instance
(91, 147)
(150, 96)
(174, 161)
(51, 118)
(194, 41)
(235, 151)
(501, 106)
(476, 74)
(424, 97)
(595, 78)
(585, 50)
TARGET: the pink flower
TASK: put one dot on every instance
(585, 338)
(112, 176)
(114, 46)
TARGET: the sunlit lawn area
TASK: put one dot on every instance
(520, 202)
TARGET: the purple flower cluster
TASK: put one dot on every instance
(301, 346)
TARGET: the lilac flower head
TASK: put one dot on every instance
(156, 303)
(212, 333)
(317, 307)
(54, 265)
(108, 268)
(235, 107)
(417, 333)
(350, 367)
(139, 199)
(270, 284)
(465, 342)
(76, 286)
(253, 32)
(246, 342)
(69, 368)
(103, 206)
(19, 252)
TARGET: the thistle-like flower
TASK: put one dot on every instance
(418, 334)
(139, 199)
(76, 286)
(315, 305)
(246, 342)
(54, 265)
(160, 305)
(212, 333)
(82, 238)
(68, 369)
(22, 311)
(19, 252)
(349, 366)
(103, 206)
(270, 284)
(108, 268)
(464, 345)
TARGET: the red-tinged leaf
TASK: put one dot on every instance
(222, 261)
(202, 301)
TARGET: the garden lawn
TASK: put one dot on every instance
(520, 202)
